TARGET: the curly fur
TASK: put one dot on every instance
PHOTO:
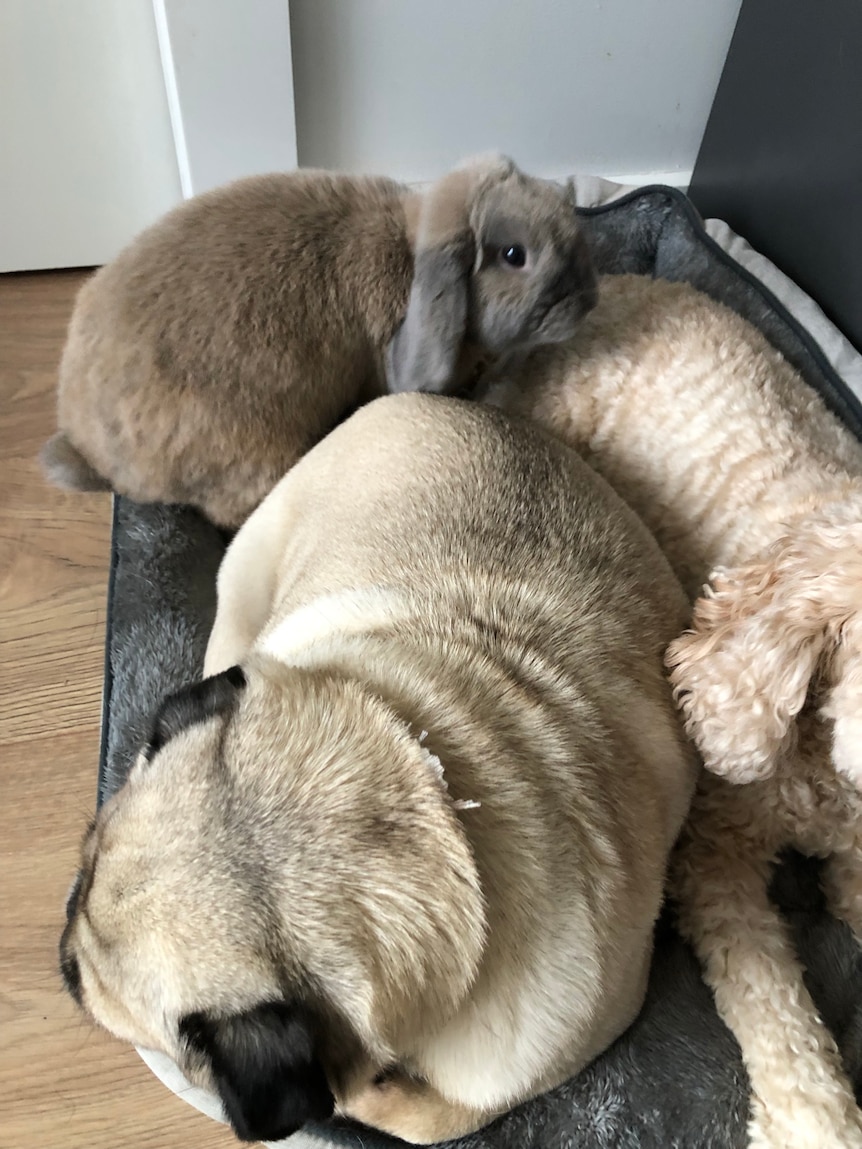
(742, 472)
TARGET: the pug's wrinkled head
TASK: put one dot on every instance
(277, 897)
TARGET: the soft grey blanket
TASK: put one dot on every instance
(675, 1079)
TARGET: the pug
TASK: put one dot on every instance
(399, 855)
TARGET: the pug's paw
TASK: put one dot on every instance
(409, 1108)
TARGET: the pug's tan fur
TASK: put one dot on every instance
(430, 831)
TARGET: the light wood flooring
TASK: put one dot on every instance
(63, 1084)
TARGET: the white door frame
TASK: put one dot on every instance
(229, 81)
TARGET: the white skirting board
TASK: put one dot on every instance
(679, 180)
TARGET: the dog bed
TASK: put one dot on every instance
(674, 1080)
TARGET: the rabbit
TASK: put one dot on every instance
(234, 333)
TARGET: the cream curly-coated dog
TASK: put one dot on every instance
(745, 477)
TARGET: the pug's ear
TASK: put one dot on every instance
(192, 704)
(265, 1068)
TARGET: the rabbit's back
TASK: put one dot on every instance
(232, 334)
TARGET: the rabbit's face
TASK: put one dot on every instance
(533, 278)
(500, 267)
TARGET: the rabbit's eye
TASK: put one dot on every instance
(513, 254)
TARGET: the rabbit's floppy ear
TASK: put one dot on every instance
(423, 354)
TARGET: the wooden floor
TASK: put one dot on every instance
(63, 1085)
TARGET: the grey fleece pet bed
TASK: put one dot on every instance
(674, 1080)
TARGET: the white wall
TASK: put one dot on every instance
(86, 150)
(407, 87)
(230, 87)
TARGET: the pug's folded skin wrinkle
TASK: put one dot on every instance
(399, 855)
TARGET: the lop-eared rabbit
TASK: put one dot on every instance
(234, 333)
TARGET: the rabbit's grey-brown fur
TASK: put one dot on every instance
(235, 332)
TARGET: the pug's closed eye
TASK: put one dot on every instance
(385, 1075)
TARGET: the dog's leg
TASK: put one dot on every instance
(844, 701)
(801, 1097)
(842, 883)
(413, 1110)
(741, 674)
(761, 632)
